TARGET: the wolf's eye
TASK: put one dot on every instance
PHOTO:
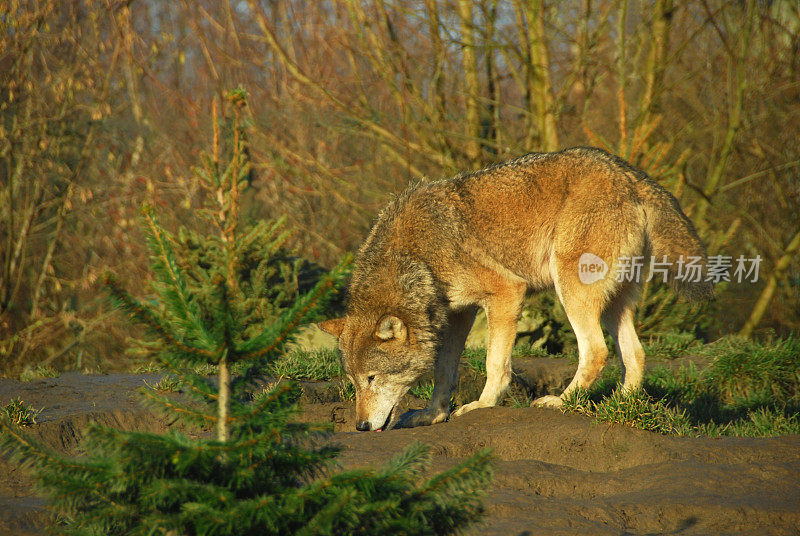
(370, 378)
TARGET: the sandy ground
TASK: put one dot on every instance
(555, 473)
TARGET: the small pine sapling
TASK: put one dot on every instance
(236, 464)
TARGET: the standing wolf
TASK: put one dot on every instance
(442, 249)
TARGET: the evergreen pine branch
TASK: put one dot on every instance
(27, 452)
(264, 347)
(411, 462)
(323, 521)
(263, 515)
(277, 236)
(174, 292)
(170, 495)
(168, 407)
(475, 469)
(251, 238)
(157, 324)
(282, 396)
(453, 498)
(71, 484)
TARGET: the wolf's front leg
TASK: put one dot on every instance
(438, 410)
(445, 373)
(501, 313)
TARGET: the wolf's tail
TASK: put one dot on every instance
(672, 234)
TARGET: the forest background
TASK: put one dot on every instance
(104, 106)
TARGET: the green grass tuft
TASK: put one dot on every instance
(208, 369)
(423, 390)
(523, 401)
(762, 422)
(146, 368)
(640, 410)
(19, 413)
(671, 345)
(475, 358)
(636, 409)
(578, 401)
(316, 365)
(39, 371)
(747, 389)
(748, 373)
(526, 350)
(168, 383)
(345, 388)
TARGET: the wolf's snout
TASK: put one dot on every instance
(362, 426)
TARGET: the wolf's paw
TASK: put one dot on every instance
(548, 401)
(421, 417)
(466, 408)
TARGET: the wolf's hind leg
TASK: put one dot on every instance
(592, 349)
(445, 373)
(618, 320)
(583, 312)
(502, 311)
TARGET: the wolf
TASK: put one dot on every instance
(442, 249)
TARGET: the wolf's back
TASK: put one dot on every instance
(672, 234)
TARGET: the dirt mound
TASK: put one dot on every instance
(555, 473)
(562, 474)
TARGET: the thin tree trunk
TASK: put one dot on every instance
(472, 147)
(14, 248)
(223, 400)
(542, 87)
(129, 69)
(52, 243)
(438, 56)
(656, 61)
(765, 298)
(525, 80)
(493, 84)
(737, 73)
(577, 89)
(622, 78)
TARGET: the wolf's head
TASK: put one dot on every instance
(382, 360)
(389, 337)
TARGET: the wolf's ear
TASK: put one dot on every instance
(334, 326)
(390, 327)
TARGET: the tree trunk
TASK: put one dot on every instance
(772, 284)
(539, 68)
(493, 128)
(656, 60)
(472, 148)
(737, 73)
(223, 400)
